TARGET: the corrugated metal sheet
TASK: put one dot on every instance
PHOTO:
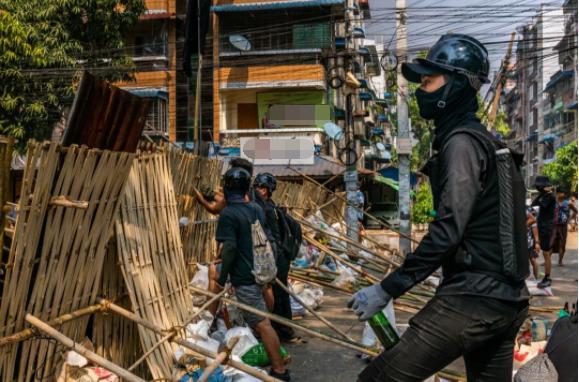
(106, 117)
(323, 167)
(274, 5)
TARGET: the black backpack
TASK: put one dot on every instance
(291, 234)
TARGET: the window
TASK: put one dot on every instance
(157, 120)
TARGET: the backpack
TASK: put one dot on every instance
(291, 234)
(264, 268)
(512, 209)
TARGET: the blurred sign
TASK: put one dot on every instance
(278, 150)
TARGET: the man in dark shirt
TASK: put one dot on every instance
(264, 186)
(479, 305)
(235, 239)
(546, 203)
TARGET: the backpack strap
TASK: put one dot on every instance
(480, 135)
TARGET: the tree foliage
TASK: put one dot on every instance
(563, 171)
(43, 46)
(423, 205)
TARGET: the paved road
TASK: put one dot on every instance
(320, 361)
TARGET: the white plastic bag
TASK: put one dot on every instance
(201, 278)
(200, 329)
(246, 340)
(345, 279)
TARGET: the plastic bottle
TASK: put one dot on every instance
(383, 330)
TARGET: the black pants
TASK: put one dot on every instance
(281, 305)
(480, 329)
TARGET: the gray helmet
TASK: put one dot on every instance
(452, 53)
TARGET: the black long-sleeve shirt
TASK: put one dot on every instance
(463, 164)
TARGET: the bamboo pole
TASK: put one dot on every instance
(186, 344)
(304, 279)
(292, 324)
(221, 357)
(151, 350)
(364, 274)
(27, 333)
(348, 203)
(312, 311)
(346, 239)
(78, 348)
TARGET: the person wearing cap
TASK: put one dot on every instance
(546, 202)
(482, 299)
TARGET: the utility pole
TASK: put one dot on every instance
(403, 143)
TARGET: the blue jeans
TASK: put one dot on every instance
(481, 329)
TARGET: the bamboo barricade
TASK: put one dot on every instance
(316, 314)
(56, 257)
(310, 179)
(151, 256)
(71, 344)
(198, 350)
(281, 320)
(221, 358)
(190, 172)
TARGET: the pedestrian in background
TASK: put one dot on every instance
(562, 215)
(545, 218)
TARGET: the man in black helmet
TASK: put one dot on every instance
(478, 236)
(234, 235)
(264, 185)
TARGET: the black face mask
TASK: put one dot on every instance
(429, 104)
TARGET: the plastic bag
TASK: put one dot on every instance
(216, 376)
(257, 356)
(538, 369)
(200, 329)
(201, 278)
(346, 279)
(246, 340)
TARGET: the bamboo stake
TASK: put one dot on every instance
(347, 202)
(27, 333)
(292, 324)
(186, 344)
(221, 357)
(78, 348)
(316, 314)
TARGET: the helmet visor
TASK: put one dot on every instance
(413, 72)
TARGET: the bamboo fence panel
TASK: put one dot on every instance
(57, 254)
(114, 337)
(189, 172)
(306, 198)
(151, 255)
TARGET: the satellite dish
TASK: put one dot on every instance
(240, 42)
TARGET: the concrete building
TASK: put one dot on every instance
(156, 46)
(525, 102)
(279, 74)
(560, 110)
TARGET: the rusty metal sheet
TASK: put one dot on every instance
(106, 117)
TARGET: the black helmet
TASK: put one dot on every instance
(236, 179)
(452, 53)
(266, 180)
(542, 181)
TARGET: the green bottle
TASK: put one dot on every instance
(383, 330)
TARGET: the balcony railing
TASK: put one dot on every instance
(302, 38)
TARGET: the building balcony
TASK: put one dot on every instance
(297, 39)
(274, 76)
